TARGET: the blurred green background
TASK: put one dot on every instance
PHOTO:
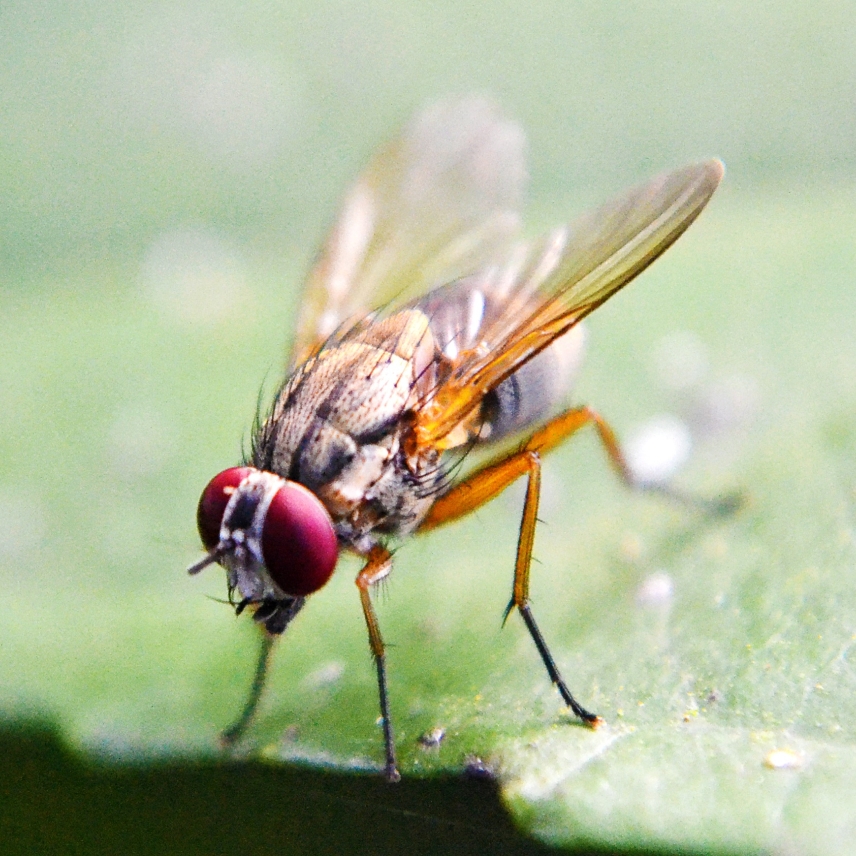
(166, 172)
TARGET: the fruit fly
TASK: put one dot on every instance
(427, 328)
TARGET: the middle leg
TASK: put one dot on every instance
(520, 593)
(489, 481)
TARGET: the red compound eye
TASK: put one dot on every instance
(299, 544)
(298, 541)
(213, 502)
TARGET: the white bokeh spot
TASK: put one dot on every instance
(658, 448)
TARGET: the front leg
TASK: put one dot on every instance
(379, 564)
(239, 727)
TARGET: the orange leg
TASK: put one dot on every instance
(379, 564)
(520, 592)
(488, 482)
(494, 477)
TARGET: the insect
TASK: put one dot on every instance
(428, 328)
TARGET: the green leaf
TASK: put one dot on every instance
(705, 643)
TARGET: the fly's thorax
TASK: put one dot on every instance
(338, 422)
(351, 485)
(396, 503)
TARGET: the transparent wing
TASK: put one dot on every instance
(542, 291)
(439, 202)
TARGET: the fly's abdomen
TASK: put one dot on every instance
(536, 390)
(459, 312)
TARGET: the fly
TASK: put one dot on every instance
(428, 327)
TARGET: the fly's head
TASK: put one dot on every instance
(274, 538)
